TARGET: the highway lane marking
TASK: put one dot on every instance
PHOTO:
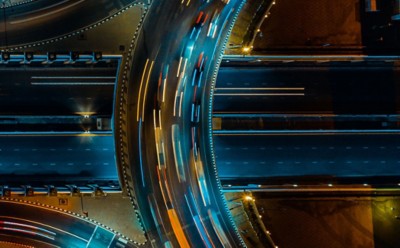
(273, 88)
(164, 87)
(180, 104)
(175, 100)
(184, 68)
(252, 133)
(177, 152)
(55, 135)
(140, 89)
(26, 232)
(72, 83)
(42, 224)
(85, 80)
(159, 119)
(314, 57)
(145, 89)
(47, 14)
(179, 66)
(295, 115)
(259, 94)
(91, 237)
(154, 119)
(314, 190)
(199, 80)
(194, 76)
(111, 240)
(140, 152)
(48, 234)
(72, 77)
(198, 221)
(187, 3)
(224, 114)
(41, 9)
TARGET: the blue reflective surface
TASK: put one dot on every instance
(57, 156)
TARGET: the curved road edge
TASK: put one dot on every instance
(184, 220)
(208, 129)
(25, 219)
(120, 124)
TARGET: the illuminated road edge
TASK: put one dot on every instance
(24, 219)
(164, 151)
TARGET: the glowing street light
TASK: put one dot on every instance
(247, 49)
(248, 198)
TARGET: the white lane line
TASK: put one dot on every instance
(175, 100)
(180, 104)
(274, 88)
(41, 9)
(179, 66)
(259, 94)
(45, 225)
(159, 118)
(47, 13)
(145, 89)
(164, 87)
(72, 83)
(154, 120)
(140, 89)
(91, 237)
(73, 77)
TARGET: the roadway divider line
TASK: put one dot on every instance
(47, 13)
(48, 209)
(71, 83)
(145, 89)
(308, 58)
(285, 88)
(41, 9)
(140, 152)
(259, 94)
(305, 132)
(140, 89)
(73, 77)
(394, 117)
(309, 190)
(91, 237)
(80, 134)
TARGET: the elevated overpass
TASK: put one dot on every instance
(307, 120)
(56, 120)
(276, 122)
(167, 145)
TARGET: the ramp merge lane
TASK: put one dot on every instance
(35, 21)
(25, 222)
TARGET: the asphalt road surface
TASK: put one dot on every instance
(307, 155)
(176, 189)
(47, 157)
(58, 89)
(335, 119)
(301, 87)
(41, 20)
(23, 220)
